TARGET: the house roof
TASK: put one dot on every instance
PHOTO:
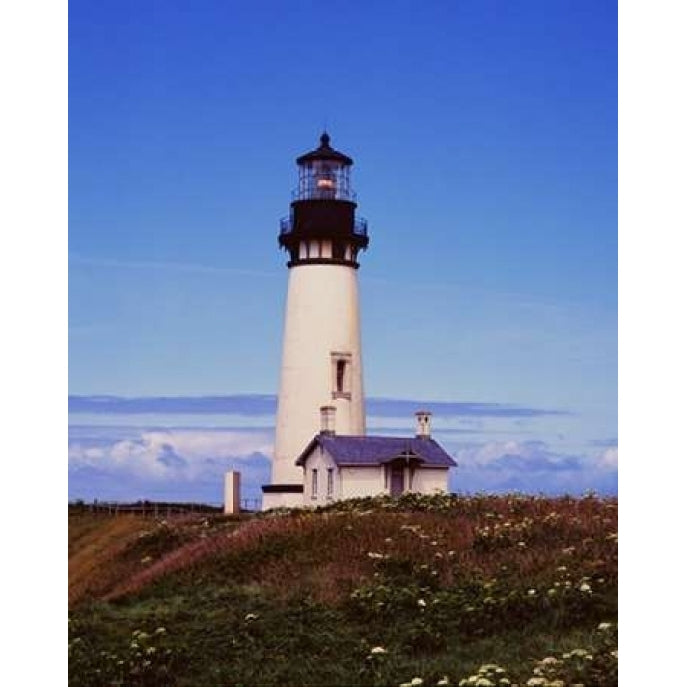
(371, 450)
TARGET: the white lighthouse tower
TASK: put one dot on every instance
(321, 355)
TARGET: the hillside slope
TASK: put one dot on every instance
(370, 592)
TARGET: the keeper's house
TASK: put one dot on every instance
(344, 467)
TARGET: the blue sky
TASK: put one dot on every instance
(485, 142)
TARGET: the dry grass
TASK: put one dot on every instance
(96, 545)
(326, 554)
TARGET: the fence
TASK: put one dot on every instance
(155, 509)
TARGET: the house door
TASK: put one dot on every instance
(396, 480)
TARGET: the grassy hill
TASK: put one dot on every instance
(481, 591)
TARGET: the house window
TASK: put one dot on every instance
(330, 482)
(341, 375)
(314, 484)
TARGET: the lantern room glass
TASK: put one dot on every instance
(324, 180)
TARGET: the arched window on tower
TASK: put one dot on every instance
(341, 375)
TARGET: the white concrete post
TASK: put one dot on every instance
(232, 493)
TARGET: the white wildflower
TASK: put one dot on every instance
(377, 650)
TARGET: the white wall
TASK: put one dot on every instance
(272, 500)
(429, 480)
(359, 482)
(321, 461)
(321, 318)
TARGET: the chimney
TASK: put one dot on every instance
(423, 424)
(327, 420)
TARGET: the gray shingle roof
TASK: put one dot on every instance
(371, 450)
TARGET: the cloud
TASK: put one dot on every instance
(265, 404)
(532, 467)
(141, 463)
(529, 456)
(604, 442)
(608, 459)
(128, 463)
(245, 404)
(147, 265)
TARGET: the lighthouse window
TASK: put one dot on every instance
(340, 375)
(330, 481)
(314, 484)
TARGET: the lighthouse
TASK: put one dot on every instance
(321, 363)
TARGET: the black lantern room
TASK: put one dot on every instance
(322, 227)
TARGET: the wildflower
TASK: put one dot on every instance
(416, 682)
(444, 681)
(421, 602)
(488, 668)
(604, 626)
(531, 592)
(372, 554)
(250, 616)
(484, 682)
(160, 631)
(549, 661)
(584, 587)
(536, 682)
(521, 543)
(377, 650)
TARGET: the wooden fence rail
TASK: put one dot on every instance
(155, 509)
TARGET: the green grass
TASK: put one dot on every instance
(297, 599)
